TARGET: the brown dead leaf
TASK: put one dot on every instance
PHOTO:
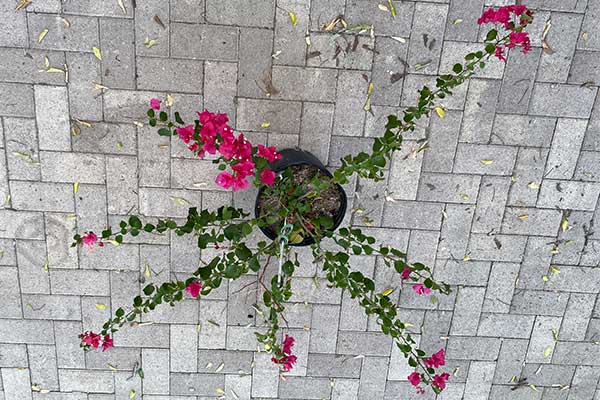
(122, 6)
(159, 21)
(331, 24)
(313, 54)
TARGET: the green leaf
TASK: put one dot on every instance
(288, 268)
(137, 301)
(135, 222)
(490, 48)
(163, 116)
(148, 290)
(164, 132)
(150, 113)
(178, 118)
(491, 35)
(106, 233)
(149, 227)
(457, 68)
(120, 312)
(152, 122)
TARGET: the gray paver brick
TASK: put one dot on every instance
(13, 355)
(296, 83)
(17, 383)
(428, 22)
(501, 286)
(537, 302)
(443, 135)
(169, 75)
(506, 325)
(569, 194)
(84, 380)
(467, 311)
(510, 360)
(26, 67)
(307, 387)
(473, 348)
(359, 11)
(518, 83)
(454, 236)
(523, 130)
(349, 115)
(85, 103)
(204, 42)
(251, 13)
(533, 221)
(545, 100)
(384, 67)
(404, 215)
(118, 52)
(52, 114)
(42, 196)
(9, 286)
(282, 116)
(82, 35)
(480, 105)
(17, 100)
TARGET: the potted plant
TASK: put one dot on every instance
(299, 203)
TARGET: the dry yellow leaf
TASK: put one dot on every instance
(220, 367)
(387, 292)
(169, 101)
(533, 387)
(66, 22)
(99, 86)
(100, 306)
(111, 367)
(554, 270)
(75, 187)
(265, 125)
(120, 3)
(533, 185)
(383, 7)
(147, 271)
(547, 352)
(370, 88)
(149, 43)
(55, 70)
(399, 39)
(114, 242)
(467, 258)
(180, 201)
(392, 8)
(545, 278)
(46, 266)
(523, 217)
(486, 162)
(457, 21)
(132, 394)
(22, 4)
(293, 18)
(440, 112)
(46, 62)
(97, 53)
(564, 225)
(585, 36)
(42, 35)
(554, 251)
(220, 391)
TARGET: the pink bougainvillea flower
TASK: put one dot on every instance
(194, 289)
(500, 53)
(487, 16)
(288, 362)
(405, 273)
(420, 289)
(502, 16)
(288, 343)
(224, 179)
(90, 339)
(107, 343)
(227, 150)
(437, 360)
(155, 104)
(244, 168)
(519, 39)
(185, 133)
(267, 177)
(240, 183)
(268, 153)
(210, 146)
(90, 239)
(414, 379)
(439, 381)
(205, 116)
(518, 9)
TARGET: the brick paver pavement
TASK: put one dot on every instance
(525, 285)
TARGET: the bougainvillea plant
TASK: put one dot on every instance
(225, 231)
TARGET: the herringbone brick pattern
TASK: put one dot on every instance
(503, 202)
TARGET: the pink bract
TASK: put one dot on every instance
(437, 360)
(267, 177)
(414, 379)
(439, 381)
(155, 104)
(90, 239)
(405, 273)
(420, 289)
(194, 289)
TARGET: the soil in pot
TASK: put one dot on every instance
(326, 203)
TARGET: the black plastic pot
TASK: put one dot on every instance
(291, 157)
